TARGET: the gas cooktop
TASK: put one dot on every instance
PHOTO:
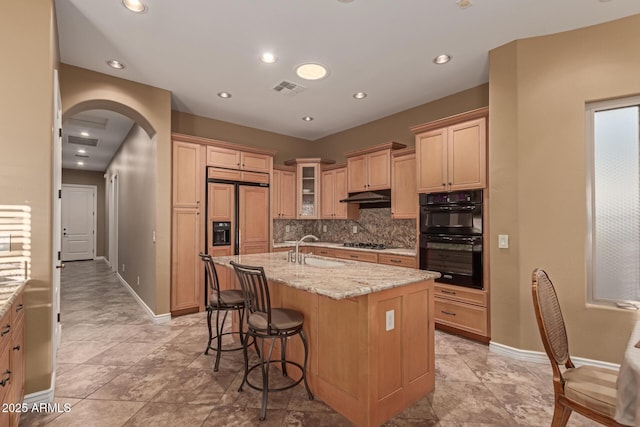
(361, 245)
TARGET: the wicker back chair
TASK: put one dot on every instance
(588, 390)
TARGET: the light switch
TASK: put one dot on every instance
(355, 229)
(503, 241)
(324, 228)
(287, 228)
(390, 320)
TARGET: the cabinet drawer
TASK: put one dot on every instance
(5, 332)
(460, 294)
(17, 310)
(230, 174)
(462, 316)
(356, 255)
(399, 260)
(5, 374)
(324, 252)
(254, 177)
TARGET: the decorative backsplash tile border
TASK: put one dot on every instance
(374, 225)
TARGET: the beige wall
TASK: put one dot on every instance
(135, 166)
(287, 147)
(538, 91)
(82, 177)
(150, 107)
(397, 126)
(26, 113)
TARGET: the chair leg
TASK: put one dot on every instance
(219, 338)
(561, 414)
(265, 364)
(283, 355)
(246, 360)
(209, 313)
(303, 337)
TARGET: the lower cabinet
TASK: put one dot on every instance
(12, 362)
(356, 255)
(398, 260)
(186, 268)
(461, 308)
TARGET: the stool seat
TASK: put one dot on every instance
(227, 298)
(282, 320)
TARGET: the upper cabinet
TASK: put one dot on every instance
(234, 159)
(404, 191)
(451, 153)
(283, 191)
(308, 186)
(370, 169)
(186, 174)
(333, 189)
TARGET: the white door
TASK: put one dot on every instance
(78, 222)
(57, 217)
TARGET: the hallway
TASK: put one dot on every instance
(116, 367)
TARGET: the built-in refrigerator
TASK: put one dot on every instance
(237, 221)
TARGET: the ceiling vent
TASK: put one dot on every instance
(288, 88)
(82, 156)
(78, 140)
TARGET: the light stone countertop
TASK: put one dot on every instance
(390, 251)
(8, 294)
(350, 279)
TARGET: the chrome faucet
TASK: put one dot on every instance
(296, 256)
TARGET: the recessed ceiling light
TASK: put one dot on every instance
(345, 1)
(463, 4)
(442, 59)
(115, 64)
(268, 57)
(134, 6)
(311, 71)
(224, 95)
(307, 118)
(80, 163)
(84, 133)
(359, 95)
(82, 151)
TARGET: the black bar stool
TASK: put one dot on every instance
(221, 301)
(268, 323)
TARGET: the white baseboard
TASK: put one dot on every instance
(101, 258)
(43, 396)
(540, 357)
(157, 318)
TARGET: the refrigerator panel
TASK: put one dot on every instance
(253, 219)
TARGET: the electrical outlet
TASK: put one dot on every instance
(123, 268)
(138, 281)
(390, 320)
(503, 241)
(287, 228)
(324, 228)
(154, 237)
(355, 229)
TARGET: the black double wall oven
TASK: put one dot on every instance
(451, 236)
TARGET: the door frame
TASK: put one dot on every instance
(56, 331)
(113, 222)
(94, 189)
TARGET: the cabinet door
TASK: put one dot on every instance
(253, 213)
(254, 162)
(379, 170)
(223, 157)
(186, 174)
(288, 195)
(431, 157)
(357, 170)
(327, 190)
(186, 282)
(404, 193)
(467, 155)
(343, 210)
(308, 189)
(276, 198)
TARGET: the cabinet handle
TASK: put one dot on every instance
(397, 261)
(6, 330)
(197, 213)
(243, 165)
(448, 313)
(449, 184)
(19, 307)
(444, 291)
(17, 348)
(443, 184)
(354, 256)
(6, 380)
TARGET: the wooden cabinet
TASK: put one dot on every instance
(404, 191)
(370, 169)
(253, 219)
(186, 175)
(308, 186)
(333, 189)
(451, 153)
(283, 191)
(356, 255)
(12, 361)
(462, 309)
(398, 260)
(231, 158)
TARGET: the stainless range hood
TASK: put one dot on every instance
(369, 197)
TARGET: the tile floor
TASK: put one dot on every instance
(117, 368)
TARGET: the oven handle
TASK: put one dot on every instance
(452, 239)
(436, 208)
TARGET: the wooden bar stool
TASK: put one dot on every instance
(271, 324)
(221, 301)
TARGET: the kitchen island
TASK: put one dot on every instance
(370, 329)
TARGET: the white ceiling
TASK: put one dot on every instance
(197, 48)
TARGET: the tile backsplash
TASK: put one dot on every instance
(374, 226)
